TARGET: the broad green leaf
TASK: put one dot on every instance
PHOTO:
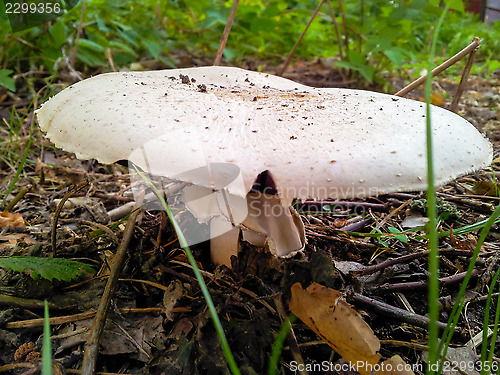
(493, 65)
(58, 33)
(457, 5)
(90, 45)
(122, 47)
(395, 55)
(153, 48)
(402, 237)
(48, 268)
(6, 80)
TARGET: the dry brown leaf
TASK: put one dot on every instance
(13, 220)
(322, 310)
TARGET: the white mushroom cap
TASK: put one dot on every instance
(317, 143)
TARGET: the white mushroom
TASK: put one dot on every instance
(313, 142)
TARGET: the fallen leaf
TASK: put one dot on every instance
(322, 310)
(13, 220)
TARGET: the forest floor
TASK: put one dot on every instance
(159, 322)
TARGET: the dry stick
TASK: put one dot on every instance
(407, 258)
(346, 35)
(57, 320)
(337, 33)
(471, 47)
(344, 204)
(289, 57)
(18, 197)
(73, 190)
(463, 79)
(6, 300)
(392, 311)
(225, 34)
(13, 366)
(92, 345)
(78, 32)
(412, 286)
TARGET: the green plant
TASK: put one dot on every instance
(433, 293)
(381, 36)
(48, 268)
(6, 80)
(47, 345)
(278, 344)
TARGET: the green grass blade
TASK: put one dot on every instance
(433, 292)
(211, 307)
(19, 170)
(488, 361)
(457, 308)
(47, 346)
(278, 345)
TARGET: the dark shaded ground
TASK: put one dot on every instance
(159, 321)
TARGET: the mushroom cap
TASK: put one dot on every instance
(316, 142)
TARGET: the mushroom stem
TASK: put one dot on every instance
(280, 224)
(268, 222)
(223, 246)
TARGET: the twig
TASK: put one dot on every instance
(482, 207)
(344, 23)
(289, 57)
(92, 345)
(337, 33)
(354, 227)
(101, 227)
(73, 190)
(225, 34)
(22, 302)
(407, 258)
(342, 204)
(57, 320)
(412, 86)
(392, 311)
(412, 286)
(463, 79)
(13, 366)
(78, 33)
(18, 197)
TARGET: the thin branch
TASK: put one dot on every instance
(92, 345)
(413, 286)
(412, 86)
(392, 311)
(72, 59)
(289, 57)
(225, 34)
(337, 32)
(344, 23)
(463, 80)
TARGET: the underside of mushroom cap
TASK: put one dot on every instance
(317, 143)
